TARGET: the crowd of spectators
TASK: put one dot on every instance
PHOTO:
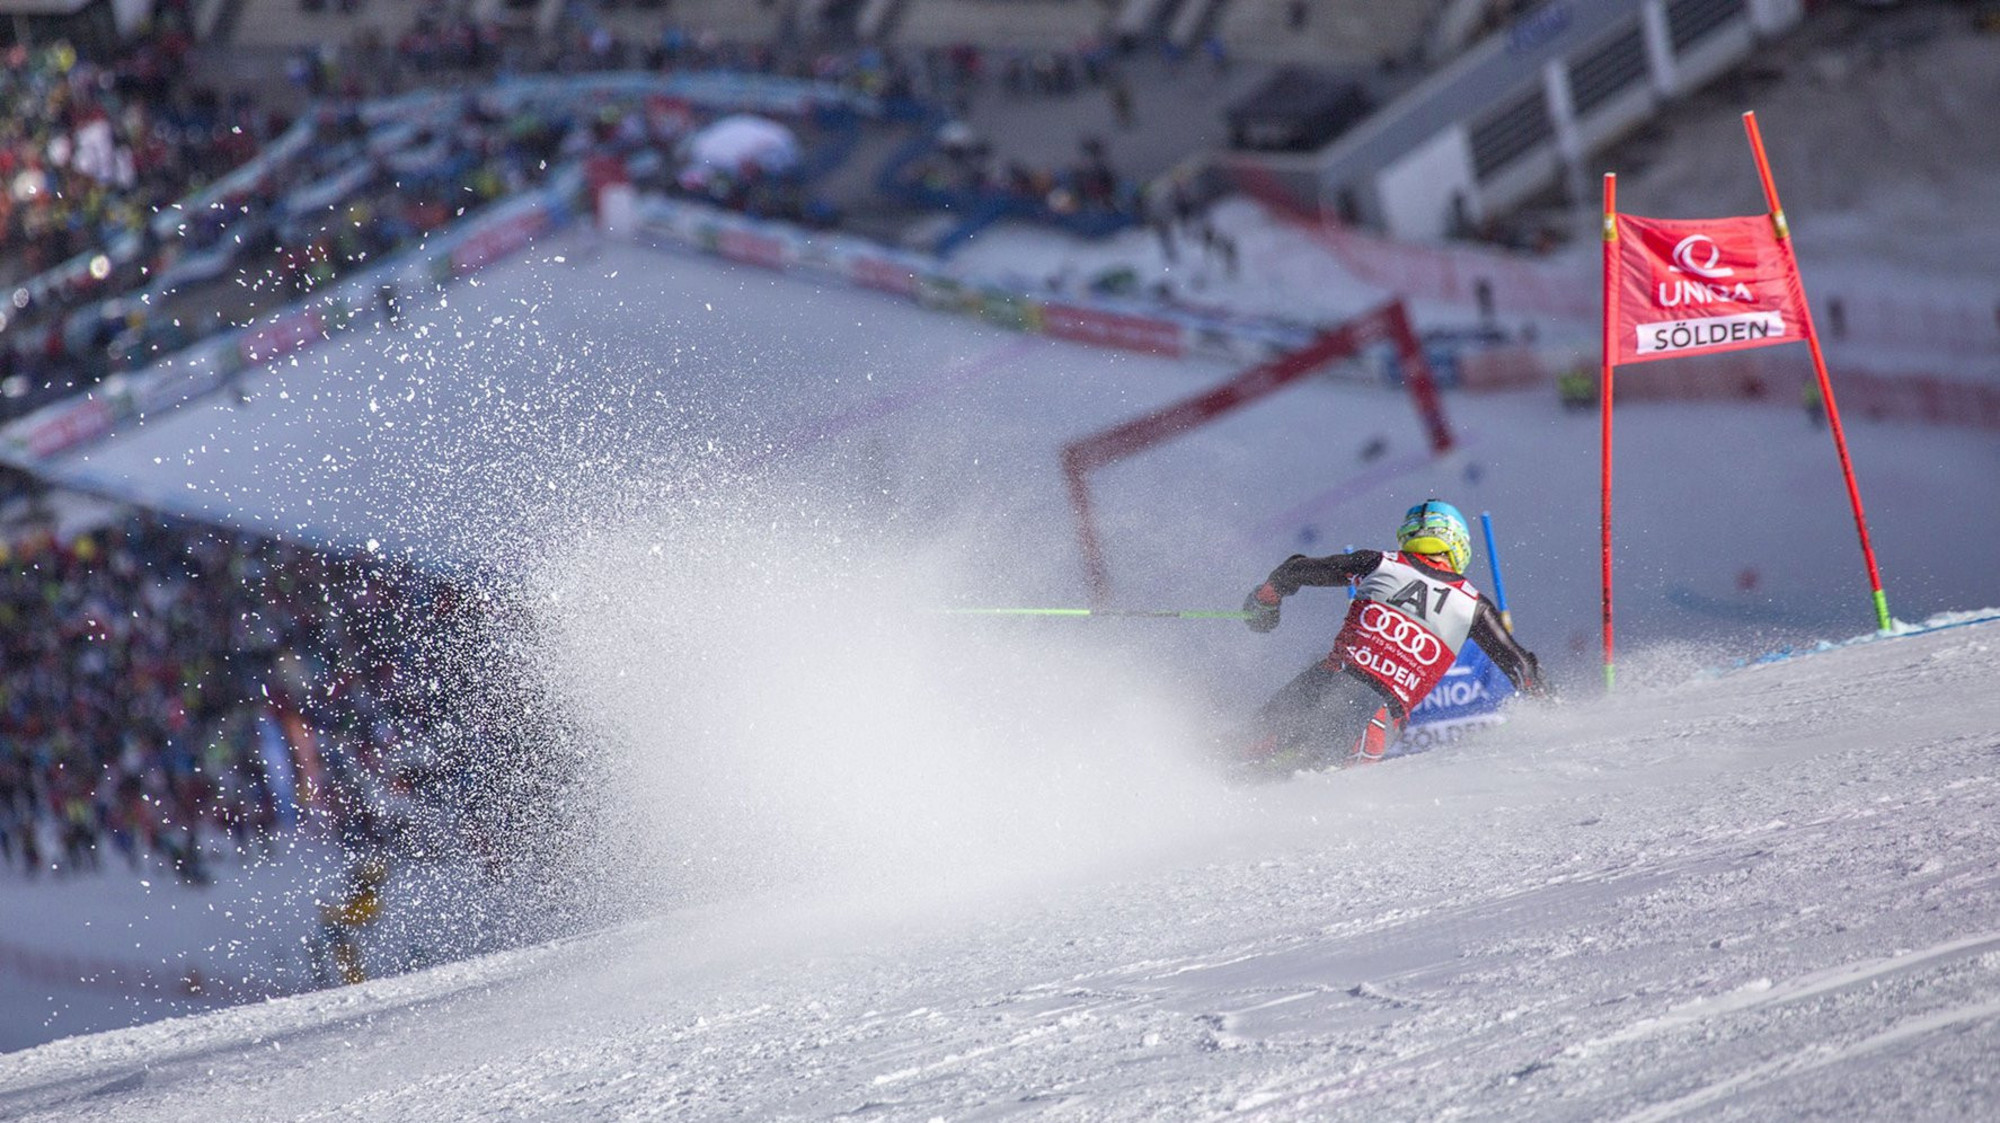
(150, 663)
(89, 149)
(272, 240)
(89, 154)
(95, 152)
(912, 84)
(961, 174)
(176, 693)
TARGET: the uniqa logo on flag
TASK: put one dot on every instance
(1698, 286)
(1674, 293)
(1711, 269)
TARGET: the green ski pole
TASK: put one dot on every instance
(1119, 613)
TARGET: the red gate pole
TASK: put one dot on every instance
(1417, 376)
(1609, 360)
(1784, 234)
(1094, 573)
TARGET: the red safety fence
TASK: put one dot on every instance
(1389, 323)
(1506, 366)
(1777, 377)
(1456, 274)
(1781, 378)
(188, 981)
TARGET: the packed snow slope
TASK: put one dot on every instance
(1764, 895)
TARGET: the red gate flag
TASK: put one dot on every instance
(1696, 287)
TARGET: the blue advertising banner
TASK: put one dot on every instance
(1469, 697)
(276, 756)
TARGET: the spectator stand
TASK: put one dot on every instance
(311, 23)
(88, 152)
(391, 171)
(209, 704)
(1343, 34)
(946, 168)
(180, 695)
(1030, 24)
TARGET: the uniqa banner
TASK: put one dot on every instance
(1474, 686)
(1468, 699)
(1701, 286)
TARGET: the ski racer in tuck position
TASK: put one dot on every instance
(1413, 610)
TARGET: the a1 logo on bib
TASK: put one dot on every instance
(1414, 598)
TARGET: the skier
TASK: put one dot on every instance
(1411, 613)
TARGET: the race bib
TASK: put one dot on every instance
(1406, 626)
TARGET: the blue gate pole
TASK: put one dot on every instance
(1493, 563)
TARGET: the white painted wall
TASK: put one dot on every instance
(1613, 119)
(1659, 48)
(1415, 192)
(1714, 55)
(1520, 180)
(1770, 16)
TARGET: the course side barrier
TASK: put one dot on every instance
(1012, 302)
(1775, 377)
(124, 248)
(1389, 323)
(500, 231)
(845, 259)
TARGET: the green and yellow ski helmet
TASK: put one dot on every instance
(1436, 527)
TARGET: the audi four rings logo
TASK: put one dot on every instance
(1402, 633)
(1684, 257)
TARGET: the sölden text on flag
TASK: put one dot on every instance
(1698, 286)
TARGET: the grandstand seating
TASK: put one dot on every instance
(1040, 24)
(1335, 33)
(291, 23)
(743, 21)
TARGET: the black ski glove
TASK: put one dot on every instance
(1536, 686)
(1262, 607)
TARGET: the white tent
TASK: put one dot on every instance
(743, 139)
